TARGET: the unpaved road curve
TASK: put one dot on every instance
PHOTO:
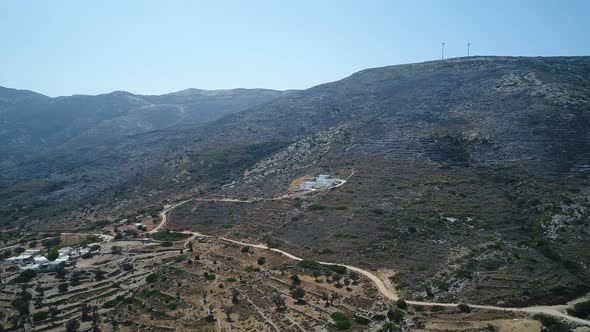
(164, 215)
(556, 310)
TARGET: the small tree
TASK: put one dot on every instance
(99, 275)
(346, 282)
(53, 254)
(150, 279)
(336, 278)
(278, 300)
(63, 287)
(261, 260)
(61, 271)
(354, 277)
(389, 326)
(235, 293)
(95, 319)
(333, 297)
(228, 311)
(401, 303)
(115, 250)
(72, 325)
(295, 279)
(395, 315)
(190, 247)
(341, 321)
(464, 308)
(53, 312)
(298, 293)
(316, 274)
(85, 312)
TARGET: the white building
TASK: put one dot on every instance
(307, 185)
(324, 181)
(321, 181)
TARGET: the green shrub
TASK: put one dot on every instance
(395, 315)
(464, 308)
(40, 315)
(362, 320)
(379, 317)
(169, 236)
(261, 260)
(337, 268)
(166, 244)
(150, 279)
(251, 268)
(180, 258)
(341, 321)
(309, 264)
(401, 303)
(25, 276)
(315, 207)
(53, 254)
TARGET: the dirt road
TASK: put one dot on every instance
(387, 292)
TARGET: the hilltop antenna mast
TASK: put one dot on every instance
(443, 51)
(468, 44)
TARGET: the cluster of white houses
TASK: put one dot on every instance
(32, 259)
(322, 181)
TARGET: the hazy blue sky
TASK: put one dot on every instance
(90, 47)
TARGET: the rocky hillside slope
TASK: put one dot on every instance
(469, 174)
(32, 125)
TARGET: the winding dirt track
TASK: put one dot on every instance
(387, 292)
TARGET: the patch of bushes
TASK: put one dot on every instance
(315, 207)
(395, 315)
(341, 321)
(337, 268)
(362, 320)
(464, 308)
(40, 315)
(261, 260)
(309, 264)
(25, 276)
(169, 236)
(251, 268)
(152, 278)
(180, 258)
(466, 271)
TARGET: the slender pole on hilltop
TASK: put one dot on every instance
(468, 44)
(443, 51)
